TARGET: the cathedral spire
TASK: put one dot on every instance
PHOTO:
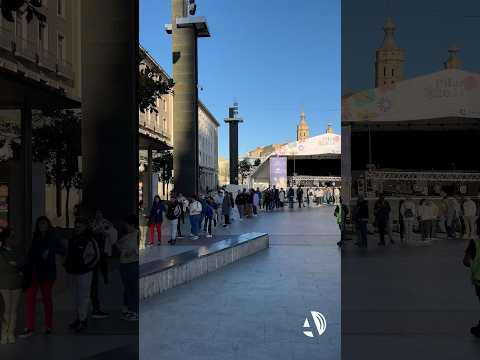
(389, 37)
(453, 61)
(303, 130)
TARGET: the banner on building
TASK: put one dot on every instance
(278, 171)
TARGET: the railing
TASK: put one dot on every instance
(26, 49)
(6, 39)
(46, 59)
(65, 69)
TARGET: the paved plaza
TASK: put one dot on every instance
(406, 302)
(255, 308)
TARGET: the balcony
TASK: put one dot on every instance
(6, 39)
(65, 69)
(26, 49)
(46, 60)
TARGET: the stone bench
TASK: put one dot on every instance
(160, 275)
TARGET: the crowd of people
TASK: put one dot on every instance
(457, 217)
(205, 212)
(85, 257)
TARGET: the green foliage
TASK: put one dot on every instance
(257, 162)
(163, 164)
(244, 168)
(57, 143)
(151, 86)
(30, 7)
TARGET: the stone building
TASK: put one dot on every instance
(207, 149)
(389, 58)
(303, 130)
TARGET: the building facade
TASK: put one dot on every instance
(207, 149)
(46, 51)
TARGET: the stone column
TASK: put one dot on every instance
(24, 233)
(110, 112)
(185, 107)
(233, 150)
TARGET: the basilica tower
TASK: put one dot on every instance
(303, 130)
(389, 58)
(453, 61)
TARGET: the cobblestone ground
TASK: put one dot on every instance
(255, 308)
(408, 302)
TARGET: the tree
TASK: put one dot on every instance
(244, 168)
(57, 143)
(30, 7)
(163, 164)
(257, 162)
(151, 86)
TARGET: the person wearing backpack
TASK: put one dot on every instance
(408, 212)
(83, 255)
(174, 210)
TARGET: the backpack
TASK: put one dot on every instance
(408, 213)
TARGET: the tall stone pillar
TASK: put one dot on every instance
(110, 112)
(232, 122)
(185, 29)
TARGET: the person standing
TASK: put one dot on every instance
(425, 218)
(226, 209)
(195, 211)
(472, 261)
(341, 213)
(469, 214)
(10, 285)
(361, 220)
(209, 214)
(255, 202)
(282, 197)
(128, 248)
(290, 195)
(181, 220)
(382, 215)
(300, 196)
(143, 223)
(240, 202)
(336, 195)
(40, 273)
(408, 212)
(174, 210)
(276, 197)
(155, 220)
(82, 256)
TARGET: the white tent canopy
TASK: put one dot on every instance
(450, 93)
(324, 144)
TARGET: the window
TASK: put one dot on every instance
(164, 124)
(60, 48)
(164, 105)
(61, 8)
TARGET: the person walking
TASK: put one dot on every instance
(470, 215)
(82, 256)
(226, 209)
(408, 212)
(40, 273)
(174, 210)
(10, 285)
(382, 213)
(155, 220)
(128, 248)
(195, 211)
(472, 261)
(361, 220)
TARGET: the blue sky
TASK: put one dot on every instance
(273, 57)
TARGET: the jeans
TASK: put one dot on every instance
(408, 228)
(208, 225)
(195, 224)
(11, 298)
(129, 275)
(81, 294)
(173, 228)
(240, 210)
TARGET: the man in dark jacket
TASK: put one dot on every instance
(382, 216)
(82, 256)
(361, 221)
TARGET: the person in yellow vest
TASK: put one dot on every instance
(472, 260)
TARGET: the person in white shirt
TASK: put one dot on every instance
(195, 211)
(408, 209)
(336, 195)
(470, 217)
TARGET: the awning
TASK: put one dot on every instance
(15, 88)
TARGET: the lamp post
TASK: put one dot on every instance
(232, 121)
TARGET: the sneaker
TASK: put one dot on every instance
(180, 236)
(209, 236)
(99, 314)
(130, 316)
(26, 334)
